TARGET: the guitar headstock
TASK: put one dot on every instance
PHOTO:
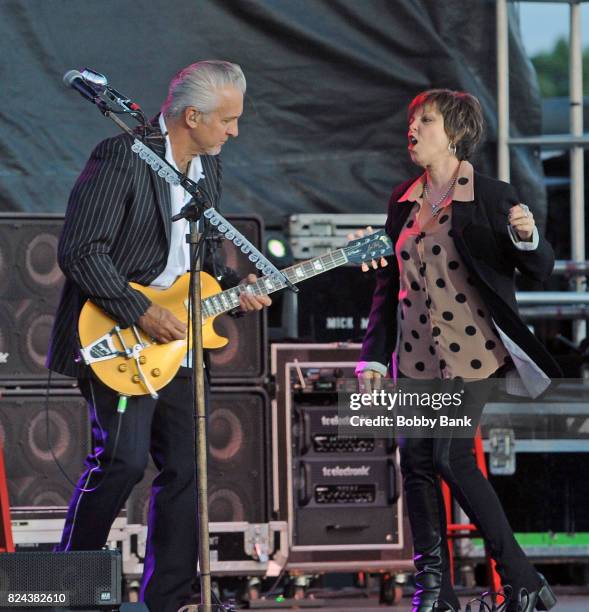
(372, 248)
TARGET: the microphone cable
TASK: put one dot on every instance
(120, 409)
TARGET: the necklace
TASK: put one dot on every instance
(436, 205)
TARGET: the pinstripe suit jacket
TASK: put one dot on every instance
(117, 229)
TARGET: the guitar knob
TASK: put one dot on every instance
(155, 372)
(142, 359)
(136, 378)
(122, 367)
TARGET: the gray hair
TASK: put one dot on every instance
(197, 85)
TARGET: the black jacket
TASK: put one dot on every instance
(117, 229)
(479, 231)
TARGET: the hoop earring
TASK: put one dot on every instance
(452, 148)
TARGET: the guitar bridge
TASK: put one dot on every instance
(136, 356)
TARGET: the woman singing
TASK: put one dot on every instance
(445, 308)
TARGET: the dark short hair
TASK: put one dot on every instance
(463, 117)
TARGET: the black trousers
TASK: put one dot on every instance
(165, 428)
(423, 462)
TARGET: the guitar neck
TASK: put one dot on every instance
(229, 299)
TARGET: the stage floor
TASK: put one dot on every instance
(566, 603)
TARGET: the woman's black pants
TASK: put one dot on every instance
(423, 462)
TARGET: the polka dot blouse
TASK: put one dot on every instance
(445, 329)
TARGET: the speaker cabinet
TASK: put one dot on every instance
(334, 307)
(59, 581)
(30, 285)
(238, 463)
(244, 358)
(27, 423)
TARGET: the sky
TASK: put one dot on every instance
(542, 24)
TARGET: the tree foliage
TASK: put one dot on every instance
(552, 68)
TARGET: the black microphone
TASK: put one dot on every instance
(76, 81)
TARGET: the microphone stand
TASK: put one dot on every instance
(193, 213)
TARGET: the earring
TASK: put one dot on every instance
(452, 148)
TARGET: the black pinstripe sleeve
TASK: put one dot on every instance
(94, 221)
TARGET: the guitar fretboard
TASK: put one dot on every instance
(229, 299)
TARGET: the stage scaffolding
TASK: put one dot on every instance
(576, 140)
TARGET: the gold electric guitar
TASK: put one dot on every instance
(131, 363)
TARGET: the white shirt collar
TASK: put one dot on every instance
(195, 172)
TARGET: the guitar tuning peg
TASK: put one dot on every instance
(364, 267)
(369, 229)
(374, 264)
(383, 262)
(351, 236)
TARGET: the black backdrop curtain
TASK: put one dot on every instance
(324, 128)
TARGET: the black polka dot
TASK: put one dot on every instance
(444, 218)
(415, 286)
(448, 316)
(418, 240)
(422, 234)
(451, 233)
(428, 303)
(453, 265)
(422, 319)
(410, 223)
(415, 334)
(442, 364)
(441, 283)
(480, 313)
(476, 364)
(470, 330)
(490, 345)
(436, 331)
(460, 298)
(462, 180)
(454, 347)
(405, 255)
(408, 347)
(422, 270)
(437, 249)
(407, 302)
(432, 350)
(420, 366)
